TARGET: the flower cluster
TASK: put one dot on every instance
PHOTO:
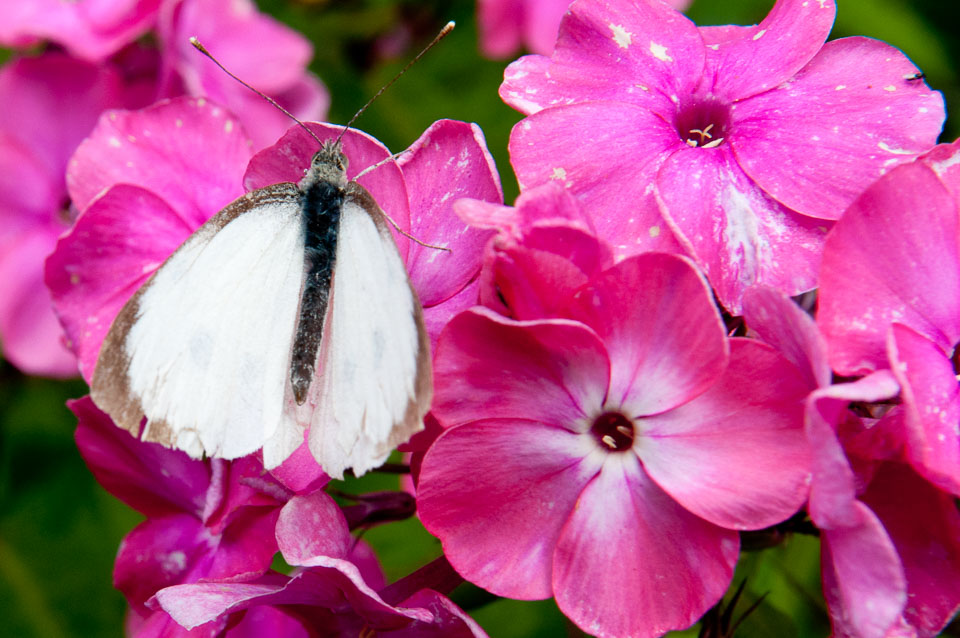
(727, 297)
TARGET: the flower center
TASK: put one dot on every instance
(614, 431)
(704, 121)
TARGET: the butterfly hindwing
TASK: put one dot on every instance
(203, 348)
(373, 384)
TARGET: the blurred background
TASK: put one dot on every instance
(59, 530)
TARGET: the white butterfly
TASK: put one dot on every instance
(289, 309)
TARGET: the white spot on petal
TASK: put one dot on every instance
(559, 173)
(228, 126)
(896, 151)
(654, 231)
(759, 34)
(840, 87)
(114, 142)
(660, 52)
(890, 88)
(621, 36)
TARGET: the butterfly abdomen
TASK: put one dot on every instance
(322, 203)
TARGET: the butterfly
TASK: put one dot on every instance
(289, 309)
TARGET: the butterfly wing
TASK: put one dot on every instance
(373, 385)
(203, 348)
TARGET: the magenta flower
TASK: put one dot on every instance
(893, 301)
(36, 139)
(205, 519)
(608, 459)
(890, 540)
(93, 29)
(277, 65)
(332, 594)
(506, 24)
(739, 140)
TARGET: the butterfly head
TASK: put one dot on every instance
(329, 164)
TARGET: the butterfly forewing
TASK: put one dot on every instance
(373, 384)
(203, 348)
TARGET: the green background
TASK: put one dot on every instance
(59, 531)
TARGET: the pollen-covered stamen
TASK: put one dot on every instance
(703, 122)
(614, 431)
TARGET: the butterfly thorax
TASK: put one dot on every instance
(323, 189)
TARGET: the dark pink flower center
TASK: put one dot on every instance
(703, 121)
(614, 431)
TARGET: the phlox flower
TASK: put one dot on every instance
(506, 24)
(145, 180)
(737, 143)
(36, 140)
(608, 458)
(330, 593)
(92, 29)
(890, 539)
(205, 519)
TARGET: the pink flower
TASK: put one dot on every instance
(506, 24)
(92, 29)
(608, 459)
(890, 540)
(332, 592)
(744, 139)
(145, 180)
(36, 139)
(891, 299)
(277, 65)
(205, 519)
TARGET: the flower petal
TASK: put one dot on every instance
(737, 233)
(312, 525)
(632, 562)
(931, 398)
(736, 455)
(850, 116)
(610, 170)
(908, 271)
(497, 492)
(551, 371)
(449, 161)
(665, 339)
(772, 52)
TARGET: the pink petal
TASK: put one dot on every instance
(632, 562)
(931, 398)
(32, 337)
(114, 246)
(148, 477)
(29, 193)
(643, 53)
(863, 580)
(300, 473)
(737, 233)
(944, 159)
(158, 553)
(777, 48)
(657, 320)
(541, 23)
(610, 172)
(780, 322)
(486, 366)
(435, 318)
(449, 161)
(833, 487)
(312, 525)
(189, 152)
(850, 116)
(449, 621)
(247, 546)
(908, 271)
(497, 492)
(924, 525)
(736, 455)
(289, 158)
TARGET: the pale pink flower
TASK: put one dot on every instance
(36, 139)
(609, 458)
(737, 142)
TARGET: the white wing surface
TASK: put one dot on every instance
(373, 384)
(203, 349)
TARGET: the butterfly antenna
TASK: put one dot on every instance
(202, 49)
(440, 36)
